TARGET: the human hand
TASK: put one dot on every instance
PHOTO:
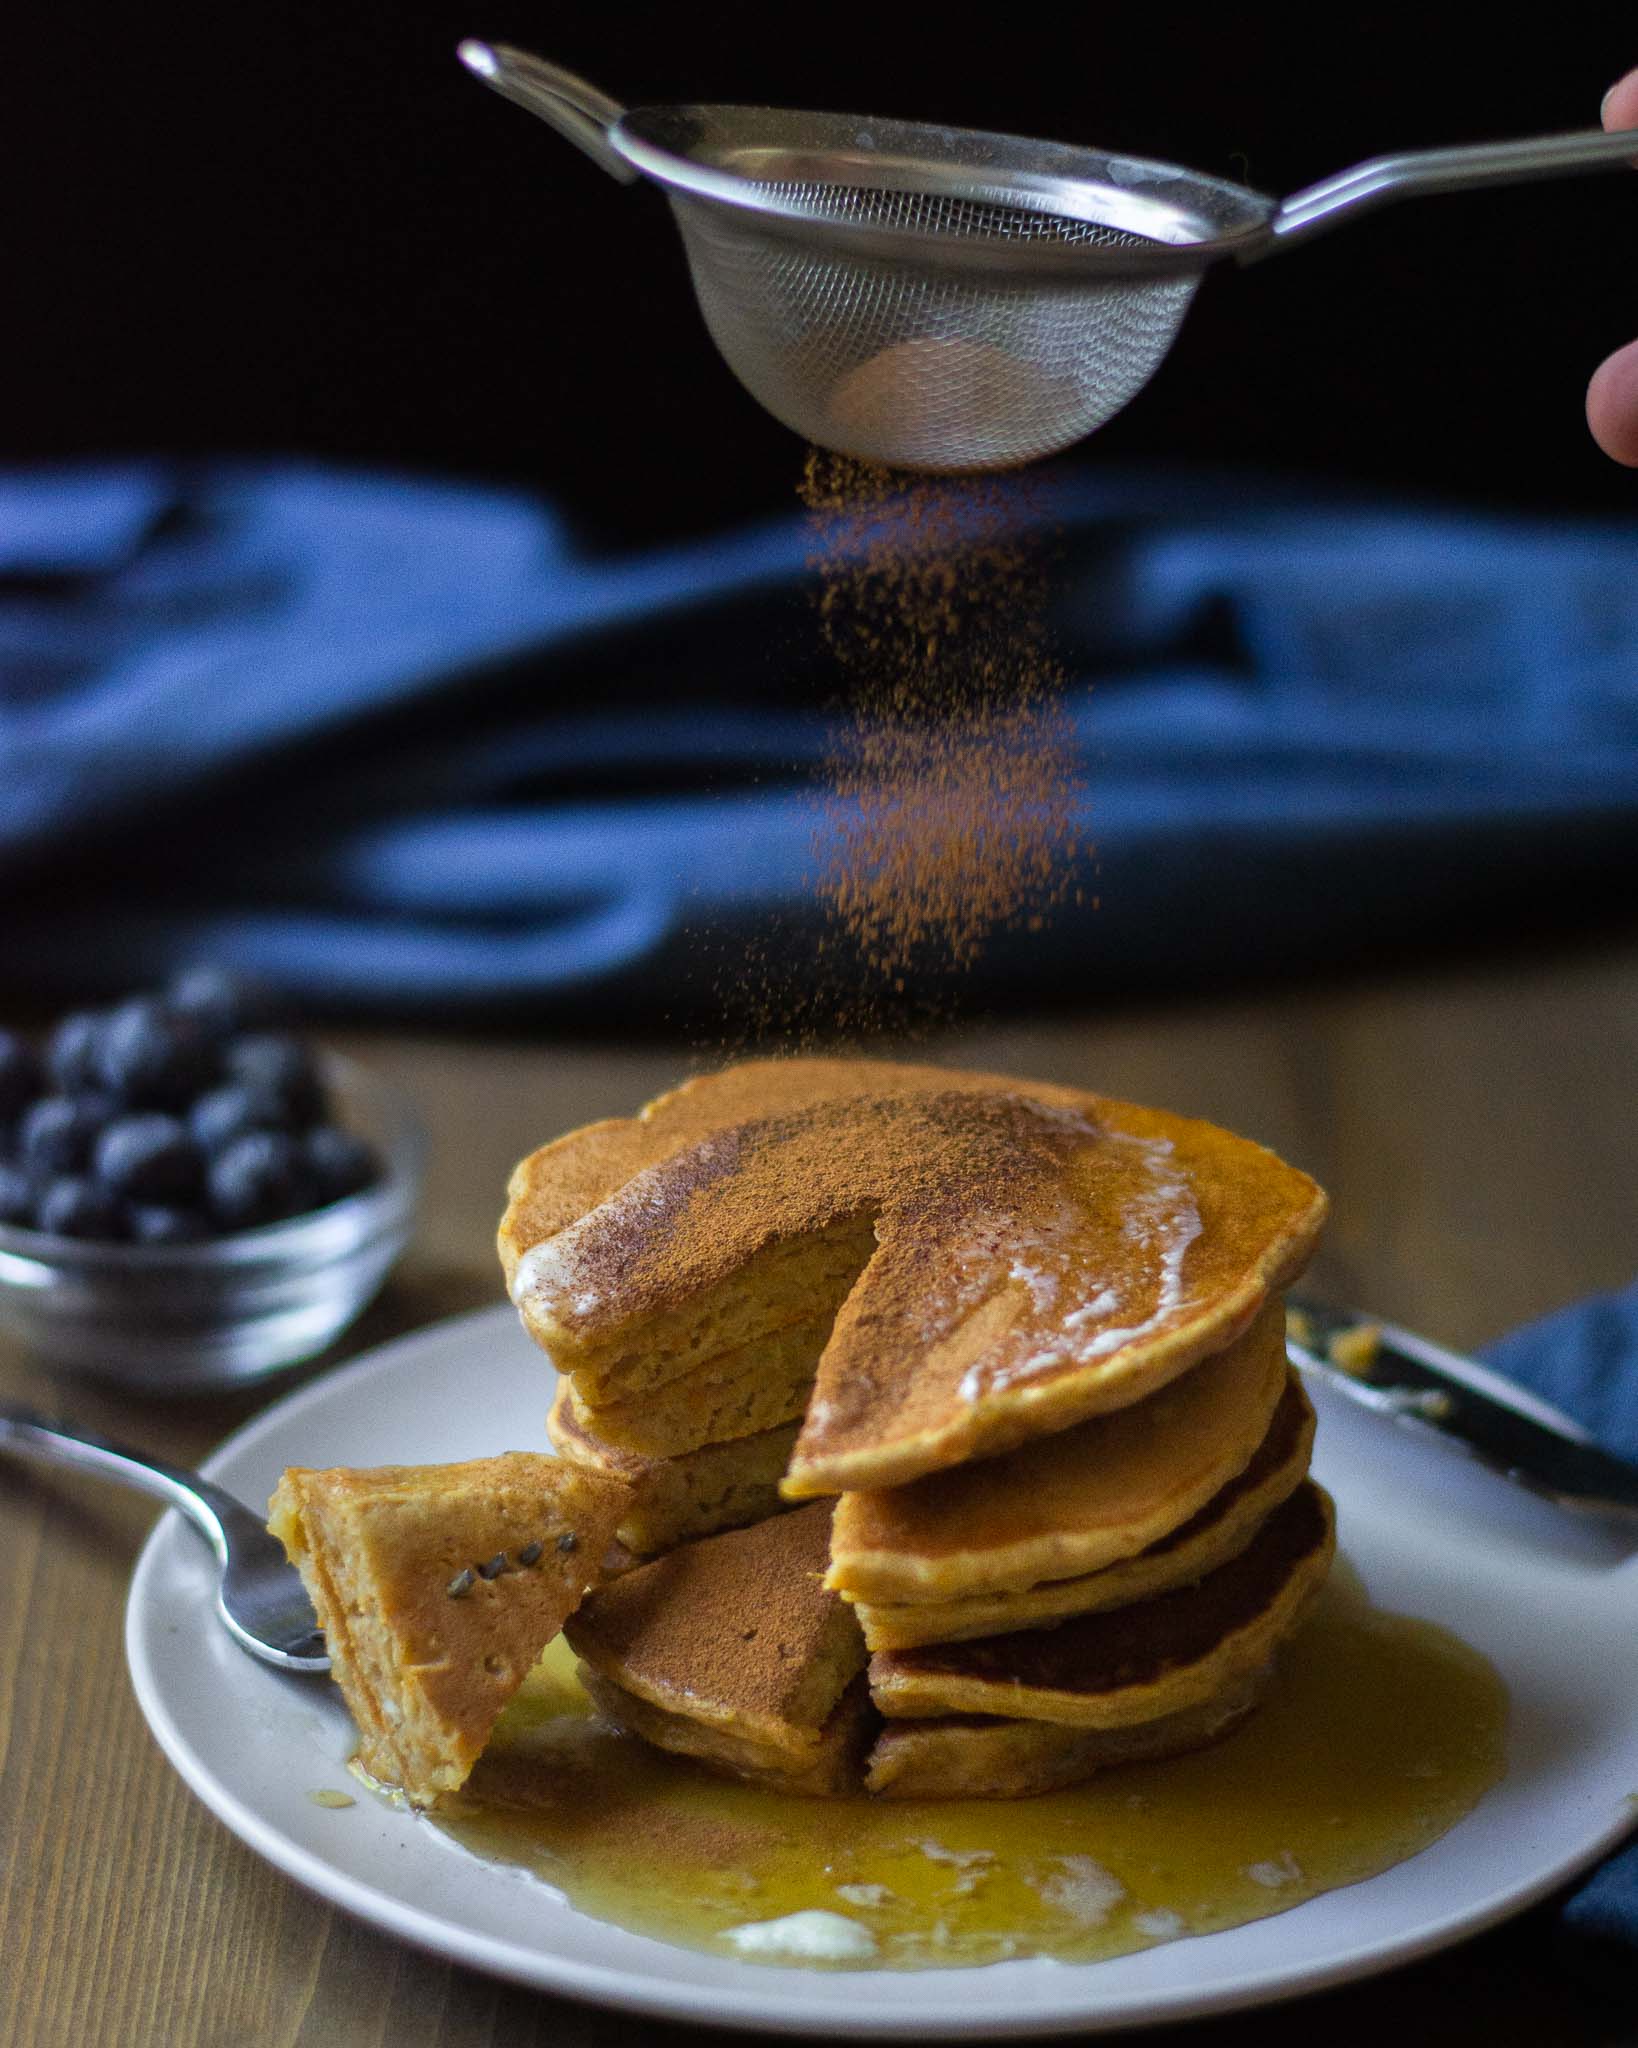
(1612, 396)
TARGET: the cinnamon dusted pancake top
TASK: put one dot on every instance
(1071, 1502)
(1034, 1254)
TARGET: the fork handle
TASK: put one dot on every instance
(52, 1441)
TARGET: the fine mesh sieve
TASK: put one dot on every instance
(945, 299)
(924, 367)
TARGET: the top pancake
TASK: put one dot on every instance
(1027, 1255)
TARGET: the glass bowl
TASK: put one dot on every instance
(186, 1318)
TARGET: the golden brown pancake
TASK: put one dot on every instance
(833, 1768)
(1219, 1531)
(1022, 1256)
(973, 1756)
(757, 1386)
(1073, 1502)
(1130, 1664)
(675, 1500)
(437, 1587)
(737, 1632)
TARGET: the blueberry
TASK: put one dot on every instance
(276, 1060)
(71, 1052)
(16, 1196)
(75, 1207)
(149, 1157)
(20, 1076)
(238, 1106)
(152, 1060)
(57, 1133)
(257, 1179)
(338, 1163)
(220, 1004)
(154, 1223)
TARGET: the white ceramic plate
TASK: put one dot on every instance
(1553, 1604)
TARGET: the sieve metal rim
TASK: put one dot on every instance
(1179, 240)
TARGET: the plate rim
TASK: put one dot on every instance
(773, 2005)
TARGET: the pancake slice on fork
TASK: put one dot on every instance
(437, 1587)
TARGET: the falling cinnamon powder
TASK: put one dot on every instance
(944, 809)
(948, 804)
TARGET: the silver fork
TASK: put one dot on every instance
(259, 1596)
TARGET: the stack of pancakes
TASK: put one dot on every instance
(1021, 1348)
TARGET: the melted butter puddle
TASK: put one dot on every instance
(1379, 1735)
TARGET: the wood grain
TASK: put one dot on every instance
(1476, 1128)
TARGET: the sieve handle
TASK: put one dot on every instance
(1425, 171)
(578, 111)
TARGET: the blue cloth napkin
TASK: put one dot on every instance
(1584, 1359)
(410, 747)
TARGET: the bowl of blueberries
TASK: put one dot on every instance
(191, 1194)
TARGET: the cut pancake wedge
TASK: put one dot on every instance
(676, 1500)
(739, 1393)
(1071, 1503)
(1136, 1663)
(437, 1587)
(1217, 1532)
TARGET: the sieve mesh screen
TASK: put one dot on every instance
(911, 364)
(945, 215)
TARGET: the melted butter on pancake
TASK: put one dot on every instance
(1159, 1222)
(1023, 1255)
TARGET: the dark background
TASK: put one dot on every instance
(306, 229)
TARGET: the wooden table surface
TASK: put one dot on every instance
(1477, 1128)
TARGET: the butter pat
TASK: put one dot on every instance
(809, 1937)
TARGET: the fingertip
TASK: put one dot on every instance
(1612, 406)
(1620, 107)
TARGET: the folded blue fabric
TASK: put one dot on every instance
(1584, 1359)
(409, 747)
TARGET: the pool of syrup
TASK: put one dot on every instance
(1380, 1733)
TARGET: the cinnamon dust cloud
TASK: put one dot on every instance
(944, 809)
(950, 785)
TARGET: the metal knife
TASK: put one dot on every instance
(1420, 1383)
